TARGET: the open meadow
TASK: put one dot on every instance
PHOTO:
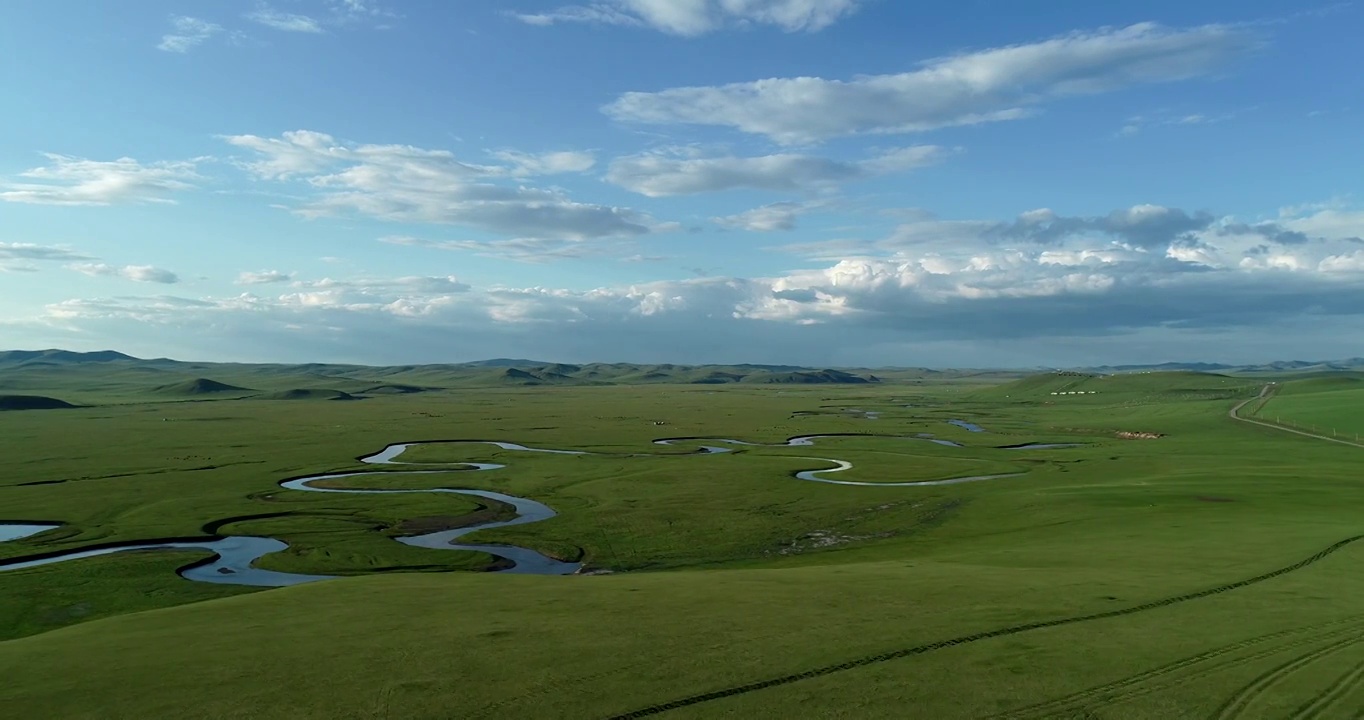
(1058, 545)
(1330, 404)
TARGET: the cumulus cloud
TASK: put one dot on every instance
(1330, 222)
(187, 33)
(263, 277)
(403, 183)
(1139, 270)
(136, 273)
(690, 18)
(684, 171)
(288, 22)
(991, 85)
(77, 181)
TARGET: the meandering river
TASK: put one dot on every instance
(234, 557)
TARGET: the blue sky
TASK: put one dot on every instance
(854, 182)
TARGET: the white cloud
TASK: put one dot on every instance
(296, 152)
(78, 181)
(1038, 278)
(682, 171)
(263, 277)
(600, 14)
(1344, 263)
(349, 11)
(1328, 222)
(359, 7)
(1003, 83)
(186, 33)
(136, 273)
(288, 22)
(402, 183)
(690, 18)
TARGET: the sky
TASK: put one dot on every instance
(968, 183)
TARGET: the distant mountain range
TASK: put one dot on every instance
(1350, 364)
(521, 371)
(22, 369)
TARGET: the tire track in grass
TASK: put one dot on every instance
(966, 639)
(1237, 704)
(1335, 693)
(1202, 664)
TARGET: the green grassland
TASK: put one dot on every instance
(1203, 573)
(1329, 405)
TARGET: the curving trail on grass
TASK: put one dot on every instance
(1231, 708)
(234, 557)
(963, 640)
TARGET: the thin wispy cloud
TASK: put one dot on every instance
(690, 18)
(686, 171)
(31, 251)
(999, 84)
(1137, 123)
(287, 22)
(780, 216)
(187, 33)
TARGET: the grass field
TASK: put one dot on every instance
(1209, 572)
(1329, 405)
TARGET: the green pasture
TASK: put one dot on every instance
(1332, 405)
(723, 585)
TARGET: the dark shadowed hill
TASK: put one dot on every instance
(806, 377)
(199, 387)
(392, 389)
(308, 394)
(32, 402)
(506, 362)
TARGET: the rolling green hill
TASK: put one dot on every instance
(1079, 387)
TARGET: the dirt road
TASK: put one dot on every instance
(1234, 414)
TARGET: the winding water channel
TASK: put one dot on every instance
(234, 556)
